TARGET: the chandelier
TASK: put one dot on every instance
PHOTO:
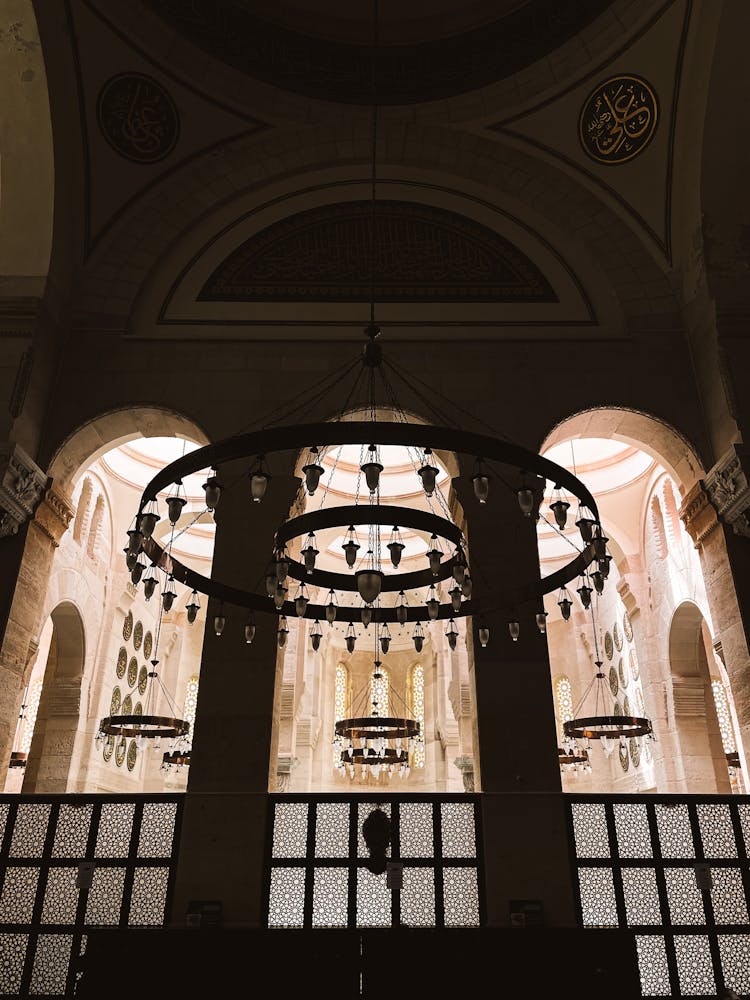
(380, 740)
(149, 724)
(369, 595)
(610, 729)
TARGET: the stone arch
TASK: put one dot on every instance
(52, 746)
(645, 431)
(693, 716)
(91, 440)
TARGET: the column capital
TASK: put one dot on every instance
(53, 515)
(728, 488)
(466, 767)
(284, 767)
(22, 483)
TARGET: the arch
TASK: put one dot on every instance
(107, 430)
(650, 433)
(696, 729)
(53, 742)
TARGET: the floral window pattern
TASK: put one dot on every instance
(564, 699)
(725, 720)
(191, 702)
(417, 711)
(340, 704)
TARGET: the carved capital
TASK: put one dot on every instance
(53, 515)
(728, 488)
(22, 483)
(466, 767)
(698, 514)
(284, 767)
(627, 596)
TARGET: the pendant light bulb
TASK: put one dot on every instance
(219, 622)
(481, 482)
(149, 586)
(396, 548)
(584, 592)
(331, 608)
(402, 609)
(192, 607)
(301, 601)
(428, 475)
(525, 501)
(316, 634)
(366, 615)
(168, 595)
(148, 519)
(514, 629)
(350, 638)
(371, 470)
(350, 547)
(418, 637)
(249, 629)
(484, 635)
(369, 584)
(212, 488)
(560, 509)
(282, 567)
(456, 595)
(258, 485)
(434, 556)
(309, 554)
(312, 472)
(282, 632)
(541, 621)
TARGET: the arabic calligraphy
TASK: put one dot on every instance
(138, 117)
(618, 119)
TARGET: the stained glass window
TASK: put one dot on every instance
(341, 704)
(564, 699)
(191, 702)
(725, 720)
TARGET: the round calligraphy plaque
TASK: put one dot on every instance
(127, 705)
(122, 662)
(635, 669)
(109, 748)
(127, 626)
(608, 648)
(617, 636)
(614, 686)
(142, 680)
(132, 672)
(137, 117)
(635, 751)
(148, 641)
(120, 751)
(622, 669)
(624, 757)
(132, 755)
(627, 627)
(115, 701)
(618, 119)
(138, 634)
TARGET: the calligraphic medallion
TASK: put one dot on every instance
(137, 117)
(618, 119)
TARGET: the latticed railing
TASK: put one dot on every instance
(318, 863)
(674, 870)
(46, 903)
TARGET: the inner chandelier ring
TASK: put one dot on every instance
(299, 437)
(596, 727)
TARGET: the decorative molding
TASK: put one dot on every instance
(286, 701)
(423, 253)
(466, 767)
(728, 489)
(21, 488)
(698, 515)
(689, 697)
(21, 383)
(307, 732)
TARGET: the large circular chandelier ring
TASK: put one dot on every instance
(375, 726)
(151, 726)
(611, 727)
(299, 437)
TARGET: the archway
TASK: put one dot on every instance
(53, 743)
(698, 751)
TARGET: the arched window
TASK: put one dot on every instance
(191, 702)
(670, 507)
(563, 699)
(341, 699)
(416, 700)
(657, 525)
(82, 510)
(95, 530)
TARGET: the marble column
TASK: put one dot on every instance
(26, 561)
(524, 827)
(716, 514)
(234, 760)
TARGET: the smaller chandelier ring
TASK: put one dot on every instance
(612, 727)
(336, 517)
(176, 758)
(367, 756)
(150, 726)
(372, 727)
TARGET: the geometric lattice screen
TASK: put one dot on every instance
(317, 874)
(675, 870)
(132, 841)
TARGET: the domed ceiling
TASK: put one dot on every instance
(426, 51)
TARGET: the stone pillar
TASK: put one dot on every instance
(524, 827)
(29, 570)
(716, 514)
(234, 762)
